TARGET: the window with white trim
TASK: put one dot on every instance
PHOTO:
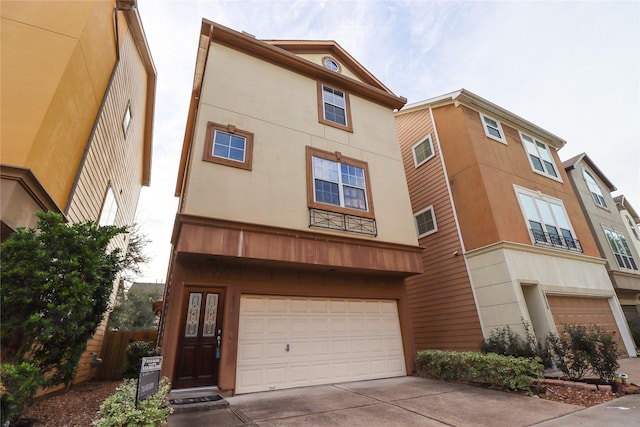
(422, 151)
(594, 188)
(493, 128)
(109, 209)
(540, 157)
(425, 221)
(547, 220)
(633, 227)
(126, 120)
(621, 250)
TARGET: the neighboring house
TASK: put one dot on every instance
(293, 234)
(613, 228)
(504, 233)
(78, 89)
(630, 218)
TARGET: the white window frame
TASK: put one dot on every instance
(633, 227)
(341, 184)
(423, 141)
(126, 119)
(622, 251)
(109, 209)
(594, 189)
(342, 107)
(539, 156)
(433, 218)
(498, 128)
(556, 220)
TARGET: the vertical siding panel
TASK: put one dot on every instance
(441, 303)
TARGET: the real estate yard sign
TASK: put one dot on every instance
(149, 379)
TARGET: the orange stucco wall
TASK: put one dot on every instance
(482, 173)
(57, 58)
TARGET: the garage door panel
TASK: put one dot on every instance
(330, 340)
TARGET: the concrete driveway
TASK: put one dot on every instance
(404, 401)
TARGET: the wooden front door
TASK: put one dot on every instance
(198, 358)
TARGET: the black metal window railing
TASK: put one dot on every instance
(556, 241)
(342, 222)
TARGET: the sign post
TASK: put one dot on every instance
(149, 378)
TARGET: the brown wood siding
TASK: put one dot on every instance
(115, 159)
(240, 279)
(585, 311)
(441, 302)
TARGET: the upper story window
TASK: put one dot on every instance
(547, 219)
(338, 183)
(621, 250)
(422, 151)
(633, 227)
(540, 156)
(333, 108)
(331, 64)
(126, 120)
(228, 145)
(493, 128)
(109, 209)
(426, 222)
(594, 188)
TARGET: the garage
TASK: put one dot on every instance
(286, 342)
(584, 311)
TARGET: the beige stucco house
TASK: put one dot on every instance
(293, 233)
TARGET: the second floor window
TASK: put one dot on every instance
(229, 146)
(339, 184)
(548, 221)
(109, 209)
(426, 222)
(594, 188)
(422, 151)
(540, 156)
(621, 250)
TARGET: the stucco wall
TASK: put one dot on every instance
(281, 108)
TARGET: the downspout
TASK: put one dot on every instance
(102, 104)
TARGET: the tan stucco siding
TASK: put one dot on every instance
(317, 59)
(483, 191)
(54, 98)
(281, 110)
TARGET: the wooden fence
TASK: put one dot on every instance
(114, 351)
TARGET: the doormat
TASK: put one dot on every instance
(202, 399)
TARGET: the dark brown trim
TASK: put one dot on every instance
(347, 112)
(247, 243)
(230, 129)
(337, 157)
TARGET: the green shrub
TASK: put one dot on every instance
(135, 352)
(119, 409)
(514, 373)
(506, 342)
(19, 385)
(580, 349)
(634, 325)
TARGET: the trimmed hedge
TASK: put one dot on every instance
(514, 373)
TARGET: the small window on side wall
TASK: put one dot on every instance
(333, 107)
(229, 146)
(109, 209)
(426, 222)
(493, 128)
(422, 151)
(126, 119)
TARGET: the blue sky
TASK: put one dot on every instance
(571, 67)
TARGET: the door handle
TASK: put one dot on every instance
(287, 347)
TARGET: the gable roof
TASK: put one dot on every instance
(475, 102)
(623, 203)
(281, 53)
(575, 160)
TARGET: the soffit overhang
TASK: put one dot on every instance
(475, 102)
(281, 53)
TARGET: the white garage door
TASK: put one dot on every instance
(292, 342)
